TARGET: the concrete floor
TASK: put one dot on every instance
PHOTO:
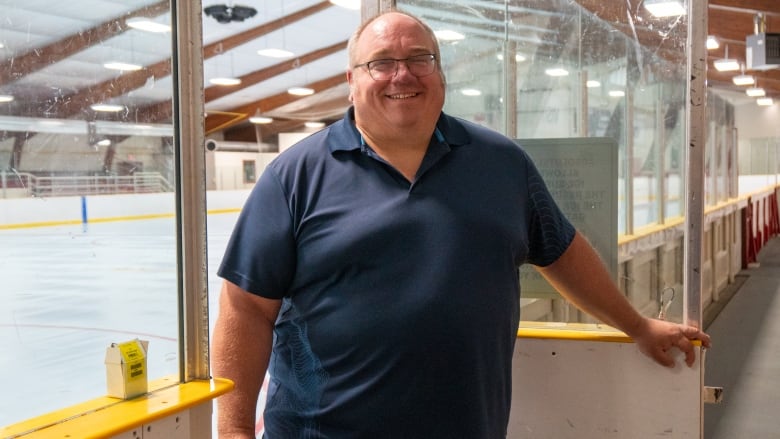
(745, 356)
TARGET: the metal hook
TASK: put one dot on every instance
(663, 306)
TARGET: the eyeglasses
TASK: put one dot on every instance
(386, 69)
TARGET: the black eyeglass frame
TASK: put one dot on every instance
(431, 57)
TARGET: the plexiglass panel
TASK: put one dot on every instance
(563, 69)
(87, 226)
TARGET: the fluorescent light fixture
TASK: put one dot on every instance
(300, 91)
(449, 35)
(470, 92)
(6, 98)
(592, 84)
(260, 119)
(712, 43)
(755, 92)
(616, 93)
(557, 71)
(518, 57)
(665, 8)
(726, 65)
(225, 81)
(347, 4)
(743, 80)
(118, 65)
(104, 142)
(108, 108)
(147, 25)
(314, 124)
(764, 102)
(275, 53)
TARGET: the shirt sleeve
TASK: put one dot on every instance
(550, 232)
(261, 254)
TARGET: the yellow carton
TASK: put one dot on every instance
(126, 375)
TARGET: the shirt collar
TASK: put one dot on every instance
(344, 136)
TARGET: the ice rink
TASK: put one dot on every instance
(68, 292)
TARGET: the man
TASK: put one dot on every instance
(379, 257)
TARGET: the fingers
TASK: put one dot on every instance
(662, 357)
(685, 345)
(665, 336)
(683, 341)
(693, 333)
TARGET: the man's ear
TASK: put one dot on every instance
(349, 82)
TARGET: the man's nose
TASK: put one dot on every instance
(403, 68)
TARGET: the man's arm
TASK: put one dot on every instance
(241, 349)
(580, 276)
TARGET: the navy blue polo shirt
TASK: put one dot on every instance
(400, 299)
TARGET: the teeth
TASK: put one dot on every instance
(403, 96)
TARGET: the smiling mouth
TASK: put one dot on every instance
(402, 96)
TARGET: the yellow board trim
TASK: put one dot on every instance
(575, 331)
(106, 416)
(107, 219)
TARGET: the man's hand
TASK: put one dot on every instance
(657, 337)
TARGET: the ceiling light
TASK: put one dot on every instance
(314, 124)
(275, 53)
(117, 65)
(109, 108)
(712, 43)
(260, 119)
(470, 92)
(518, 57)
(557, 72)
(6, 98)
(755, 92)
(300, 91)
(147, 25)
(449, 35)
(726, 64)
(104, 142)
(617, 93)
(743, 80)
(2, 45)
(347, 4)
(764, 102)
(225, 81)
(665, 8)
(592, 84)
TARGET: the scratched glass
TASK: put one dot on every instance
(562, 70)
(87, 227)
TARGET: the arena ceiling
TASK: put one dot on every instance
(52, 56)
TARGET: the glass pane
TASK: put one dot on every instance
(87, 228)
(605, 71)
(315, 35)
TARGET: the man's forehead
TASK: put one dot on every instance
(395, 28)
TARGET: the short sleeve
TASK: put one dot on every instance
(550, 232)
(261, 254)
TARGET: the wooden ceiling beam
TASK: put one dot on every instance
(79, 101)
(274, 101)
(18, 66)
(252, 78)
(233, 41)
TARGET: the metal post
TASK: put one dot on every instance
(189, 138)
(695, 126)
